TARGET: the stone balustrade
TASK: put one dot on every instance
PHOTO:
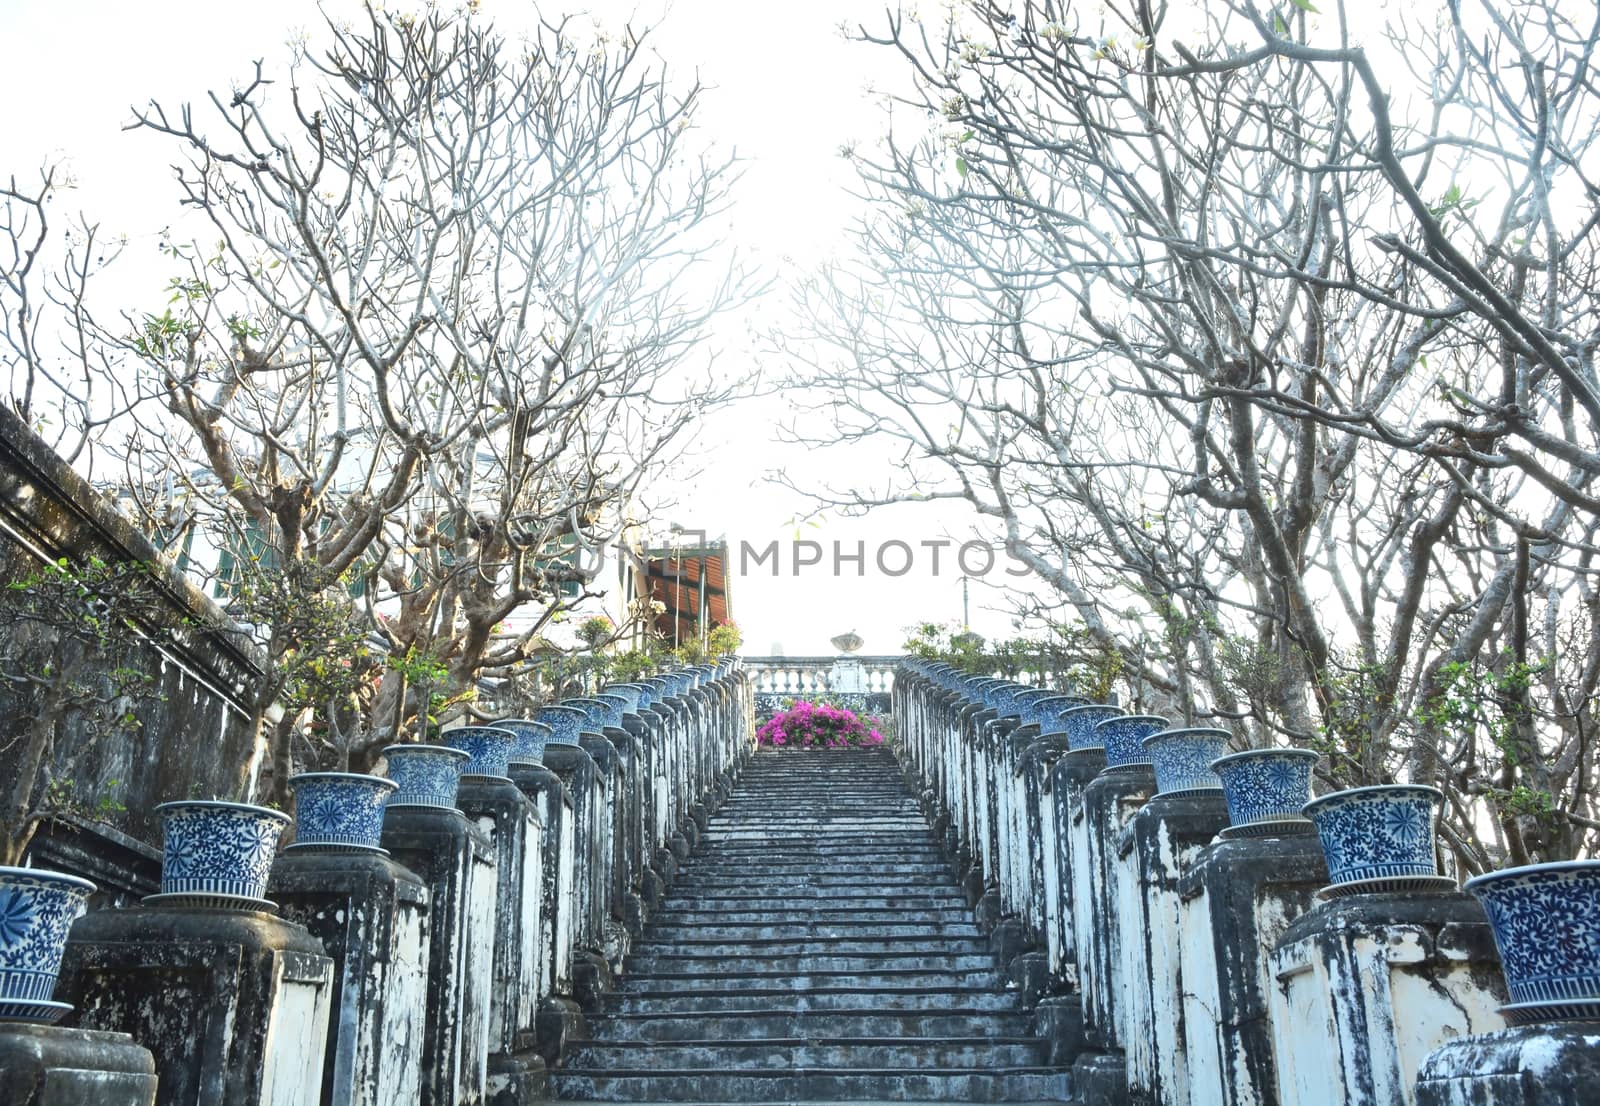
(450, 972)
(1175, 965)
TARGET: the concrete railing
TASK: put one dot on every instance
(1172, 966)
(802, 676)
(448, 971)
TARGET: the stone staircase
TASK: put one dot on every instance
(815, 948)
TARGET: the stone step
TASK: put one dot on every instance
(788, 1053)
(886, 881)
(884, 979)
(978, 1084)
(817, 946)
(932, 961)
(809, 1024)
(674, 1002)
(816, 911)
(846, 898)
(791, 930)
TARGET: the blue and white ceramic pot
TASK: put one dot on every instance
(1081, 722)
(597, 715)
(1266, 785)
(531, 736)
(217, 849)
(339, 810)
(617, 706)
(630, 694)
(1050, 713)
(1183, 757)
(1001, 697)
(1025, 700)
(1546, 922)
(488, 746)
(37, 908)
(1124, 737)
(426, 775)
(1381, 832)
(564, 723)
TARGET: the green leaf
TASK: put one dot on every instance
(1306, 6)
(961, 167)
(1278, 25)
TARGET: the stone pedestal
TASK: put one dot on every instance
(1549, 1064)
(233, 1004)
(370, 915)
(454, 859)
(1166, 835)
(1369, 985)
(46, 1065)
(510, 821)
(1239, 898)
(553, 807)
(1101, 882)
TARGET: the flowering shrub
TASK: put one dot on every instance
(808, 725)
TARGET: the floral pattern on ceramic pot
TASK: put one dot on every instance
(1546, 922)
(619, 706)
(1024, 701)
(1123, 738)
(629, 693)
(1002, 698)
(488, 746)
(339, 809)
(426, 775)
(597, 715)
(1081, 722)
(1377, 832)
(37, 909)
(213, 848)
(1182, 758)
(564, 723)
(531, 737)
(1266, 785)
(1049, 713)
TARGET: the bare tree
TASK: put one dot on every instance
(1161, 306)
(448, 322)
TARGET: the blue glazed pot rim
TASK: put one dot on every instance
(218, 804)
(1133, 718)
(1186, 732)
(1488, 879)
(1375, 791)
(419, 747)
(1310, 755)
(366, 779)
(507, 723)
(563, 708)
(1093, 706)
(51, 875)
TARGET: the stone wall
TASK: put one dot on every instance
(192, 739)
(449, 971)
(1173, 964)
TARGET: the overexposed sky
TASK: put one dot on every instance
(787, 91)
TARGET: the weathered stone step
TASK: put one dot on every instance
(659, 962)
(815, 946)
(823, 910)
(670, 1001)
(764, 898)
(791, 930)
(809, 1025)
(985, 1084)
(933, 871)
(786, 1054)
(886, 881)
(884, 979)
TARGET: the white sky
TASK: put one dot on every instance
(787, 91)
